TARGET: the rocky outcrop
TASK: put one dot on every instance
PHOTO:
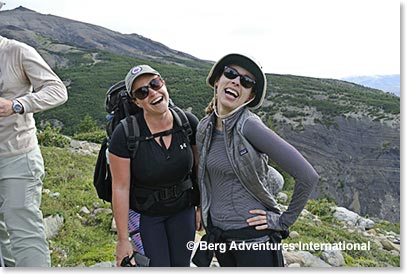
(84, 147)
(358, 160)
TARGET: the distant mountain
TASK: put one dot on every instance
(36, 29)
(387, 83)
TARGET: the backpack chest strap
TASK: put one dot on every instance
(162, 194)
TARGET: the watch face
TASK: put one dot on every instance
(17, 107)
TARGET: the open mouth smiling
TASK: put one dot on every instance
(232, 92)
(157, 100)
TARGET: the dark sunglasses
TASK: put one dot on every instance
(142, 92)
(231, 74)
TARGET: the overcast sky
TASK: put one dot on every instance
(317, 38)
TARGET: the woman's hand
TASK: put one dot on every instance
(198, 223)
(123, 249)
(259, 221)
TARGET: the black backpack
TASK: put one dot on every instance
(122, 110)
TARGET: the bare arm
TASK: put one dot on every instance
(120, 169)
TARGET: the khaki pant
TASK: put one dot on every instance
(22, 236)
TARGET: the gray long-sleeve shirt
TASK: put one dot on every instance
(232, 200)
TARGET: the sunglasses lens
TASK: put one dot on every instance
(156, 84)
(231, 74)
(142, 93)
(247, 82)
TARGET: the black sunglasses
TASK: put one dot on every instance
(142, 92)
(232, 73)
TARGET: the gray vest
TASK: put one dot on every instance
(250, 166)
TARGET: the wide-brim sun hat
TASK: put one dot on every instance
(136, 72)
(248, 63)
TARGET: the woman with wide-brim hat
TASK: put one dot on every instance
(237, 185)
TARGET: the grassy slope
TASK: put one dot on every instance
(86, 239)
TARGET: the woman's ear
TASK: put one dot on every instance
(215, 85)
(251, 97)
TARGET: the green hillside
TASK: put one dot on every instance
(88, 82)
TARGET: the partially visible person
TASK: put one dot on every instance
(158, 179)
(27, 85)
(236, 184)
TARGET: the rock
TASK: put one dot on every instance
(352, 219)
(75, 144)
(79, 216)
(294, 234)
(293, 258)
(305, 213)
(84, 147)
(46, 191)
(365, 223)
(105, 264)
(282, 197)
(388, 245)
(317, 221)
(52, 225)
(294, 265)
(85, 210)
(95, 204)
(54, 195)
(113, 226)
(377, 242)
(395, 253)
(346, 215)
(333, 257)
(372, 232)
(312, 261)
(102, 210)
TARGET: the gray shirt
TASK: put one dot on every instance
(26, 77)
(232, 200)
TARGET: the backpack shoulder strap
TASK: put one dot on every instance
(182, 120)
(132, 132)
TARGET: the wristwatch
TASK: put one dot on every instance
(17, 107)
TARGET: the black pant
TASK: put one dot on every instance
(246, 258)
(165, 238)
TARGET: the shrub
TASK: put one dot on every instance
(94, 136)
(51, 137)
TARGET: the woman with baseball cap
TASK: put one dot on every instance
(159, 173)
(236, 184)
